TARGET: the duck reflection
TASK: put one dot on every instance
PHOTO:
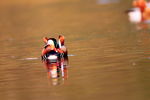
(57, 71)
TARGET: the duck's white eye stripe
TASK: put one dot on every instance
(59, 43)
(50, 42)
(135, 16)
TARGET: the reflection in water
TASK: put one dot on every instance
(57, 71)
(30, 58)
(107, 1)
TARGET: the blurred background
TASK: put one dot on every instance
(109, 57)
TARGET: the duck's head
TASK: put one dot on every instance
(135, 15)
(61, 40)
(45, 39)
(139, 3)
(49, 41)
